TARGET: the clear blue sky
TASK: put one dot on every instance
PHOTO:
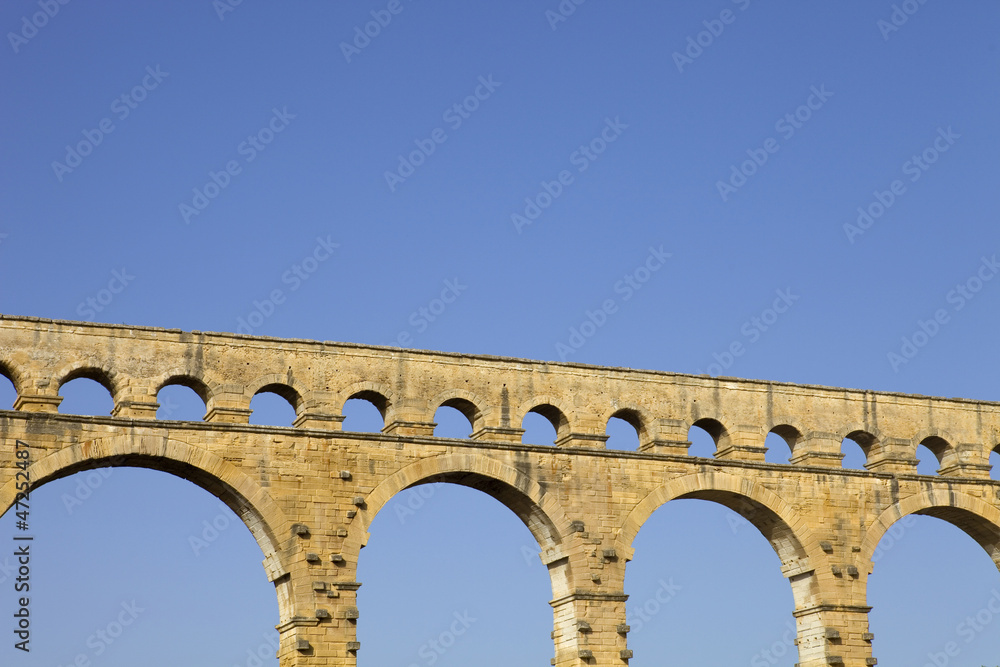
(580, 148)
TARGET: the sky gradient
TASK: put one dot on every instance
(802, 192)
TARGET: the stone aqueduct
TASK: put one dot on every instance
(309, 492)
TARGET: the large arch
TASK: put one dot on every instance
(788, 534)
(239, 492)
(973, 516)
(543, 516)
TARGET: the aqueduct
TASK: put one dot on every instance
(309, 492)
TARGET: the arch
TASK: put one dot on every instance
(549, 407)
(788, 535)
(866, 440)
(205, 392)
(714, 428)
(10, 371)
(281, 385)
(789, 434)
(239, 492)
(633, 417)
(632, 439)
(541, 513)
(939, 447)
(975, 517)
(101, 375)
(465, 402)
(378, 395)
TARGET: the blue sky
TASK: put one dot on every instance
(183, 165)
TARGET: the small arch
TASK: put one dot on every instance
(551, 414)
(472, 406)
(179, 402)
(995, 462)
(8, 388)
(780, 443)
(373, 392)
(365, 411)
(855, 456)
(195, 384)
(701, 445)
(9, 371)
(450, 422)
(280, 385)
(929, 455)
(85, 395)
(865, 440)
(625, 430)
(274, 405)
(101, 376)
(467, 408)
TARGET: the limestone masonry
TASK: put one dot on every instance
(308, 493)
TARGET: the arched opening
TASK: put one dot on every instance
(274, 405)
(8, 393)
(452, 423)
(543, 424)
(927, 459)
(364, 412)
(855, 453)
(480, 584)
(780, 443)
(935, 593)
(119, 557)
(995, 462)
(623, 430)
(704, 436)
(684, 584)
(87, 392)
(182, 399)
